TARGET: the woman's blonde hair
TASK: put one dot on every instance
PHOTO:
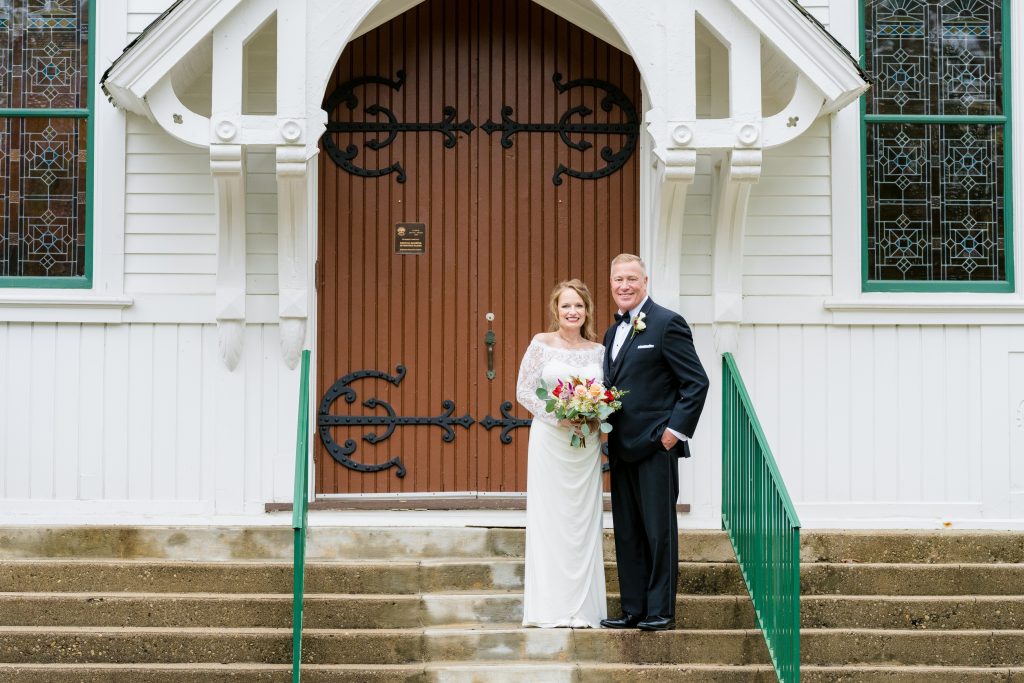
(588, 331)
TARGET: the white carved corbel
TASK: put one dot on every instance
(675, 170)
(292, 216)
(227, 164)
(740, 168)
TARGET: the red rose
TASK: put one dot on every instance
(557, 391)
(608, 396)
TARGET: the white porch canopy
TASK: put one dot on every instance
(770, 45)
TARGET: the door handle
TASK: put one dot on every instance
(490, 339)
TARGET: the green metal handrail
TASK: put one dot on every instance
(762, 524)
(300, 513)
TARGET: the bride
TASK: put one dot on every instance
(564, 583)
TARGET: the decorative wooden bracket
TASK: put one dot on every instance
(292, 253)
(227, 163)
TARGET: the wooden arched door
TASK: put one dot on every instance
(454, 218)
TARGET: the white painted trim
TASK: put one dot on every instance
(312, 241)
(938, 511)
(886, 310)
(886, 302)
(587, 18)
(52, 306)
(192, 512)
(49, 298)
(846, 162)
(108, 160)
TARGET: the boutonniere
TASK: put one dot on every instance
(638, 324)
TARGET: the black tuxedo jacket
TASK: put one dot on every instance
(666, 382)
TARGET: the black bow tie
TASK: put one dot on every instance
(621, 317)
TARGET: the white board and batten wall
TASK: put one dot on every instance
(138, 419)
(881, 410)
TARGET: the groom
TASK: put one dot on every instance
(650, 353)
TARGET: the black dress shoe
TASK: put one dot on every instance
(657, 624)
(627, 620)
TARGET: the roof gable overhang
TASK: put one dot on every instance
(174, 36)
(809, 45)
(161, 47)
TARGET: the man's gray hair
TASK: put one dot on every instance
(629, 258)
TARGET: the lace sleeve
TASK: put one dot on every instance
(529, 381)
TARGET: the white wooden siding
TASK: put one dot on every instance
(818, 8)
(171, 227)
(142, 12)
(695, 266)
(261, 222)
(868, 424)
(142, 414)
(788, 250)
(915, 420)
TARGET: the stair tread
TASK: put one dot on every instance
(455, 629)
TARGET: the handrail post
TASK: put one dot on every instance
(300, 511)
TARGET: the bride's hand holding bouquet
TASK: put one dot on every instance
(583, 403)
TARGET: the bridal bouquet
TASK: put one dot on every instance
(581, 401)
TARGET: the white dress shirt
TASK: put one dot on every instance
(621, 333)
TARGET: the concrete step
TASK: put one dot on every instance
(453, 672)
(916, 546)
(492, 672)
(913, 612)
(68, 645)
(485, 608)
(844, 647)
(368, 577)
(324, 543)
(825, 647)
(911, 579)
(385, 543)
(910, 674)
(320, 610)
(426, 576)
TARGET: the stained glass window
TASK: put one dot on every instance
(936, 124)
(45, 122)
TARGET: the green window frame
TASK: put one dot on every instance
(86, 115)
(946, 210)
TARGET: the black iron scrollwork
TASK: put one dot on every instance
(566, 128)
(390, 125)
(389, 420)
(569, 125)
(342, 453)
(507, 423)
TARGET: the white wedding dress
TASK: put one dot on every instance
(564, 584)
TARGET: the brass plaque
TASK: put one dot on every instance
(410, 238)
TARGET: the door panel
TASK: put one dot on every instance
(499, 232)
